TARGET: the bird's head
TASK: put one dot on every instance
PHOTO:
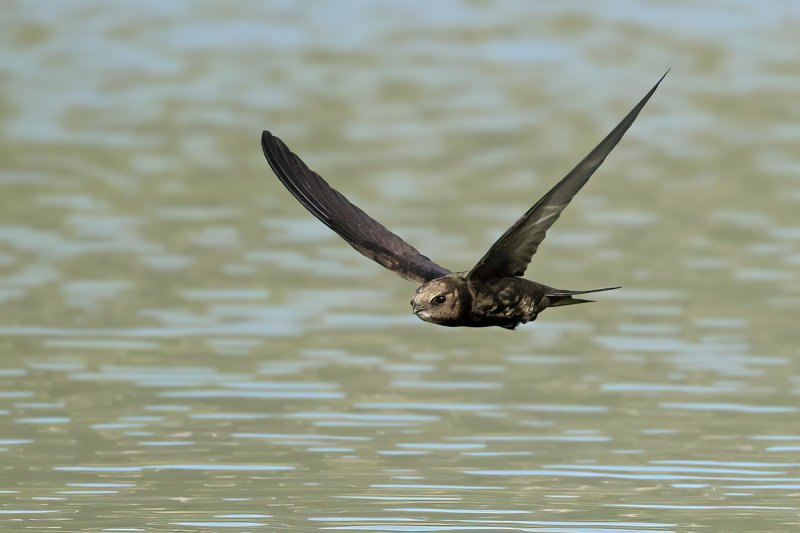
(441, 301)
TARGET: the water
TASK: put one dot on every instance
(184, 348)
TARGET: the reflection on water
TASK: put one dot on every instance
(185, 349)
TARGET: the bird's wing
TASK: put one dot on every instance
(351, 223)
(512, 252)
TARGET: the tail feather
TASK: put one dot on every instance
(560, 297)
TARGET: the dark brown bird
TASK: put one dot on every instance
(492, 293)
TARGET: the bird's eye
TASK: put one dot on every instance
(440, 299)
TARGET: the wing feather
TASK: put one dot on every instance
(360, 230)
(512, 252)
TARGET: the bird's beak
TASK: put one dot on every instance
(415, 307)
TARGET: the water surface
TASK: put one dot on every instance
(184, 348)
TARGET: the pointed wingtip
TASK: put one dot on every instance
(651, 91)
(661, 79)
(268, 144)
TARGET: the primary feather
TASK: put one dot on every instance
(356, 227)
(512, 252)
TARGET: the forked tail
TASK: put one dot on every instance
(559, 297)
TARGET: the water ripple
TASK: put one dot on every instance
(206, 467)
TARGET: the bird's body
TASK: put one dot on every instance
(505, 302)
(492, 293)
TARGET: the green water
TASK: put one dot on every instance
(184, 348)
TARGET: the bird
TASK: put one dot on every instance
(491, 293)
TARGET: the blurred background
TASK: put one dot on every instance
(185, 348)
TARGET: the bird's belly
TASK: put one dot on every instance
(506, 302)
